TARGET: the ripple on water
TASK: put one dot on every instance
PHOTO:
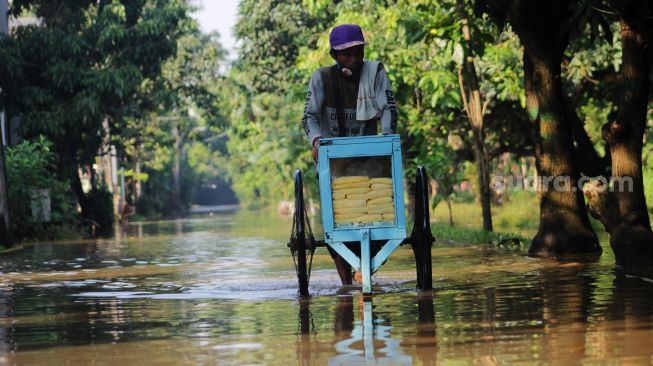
(233, 300)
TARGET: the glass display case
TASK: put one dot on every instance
(361, 186)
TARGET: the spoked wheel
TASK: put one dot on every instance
(301, 248)
(421, 237)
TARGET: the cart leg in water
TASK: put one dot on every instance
(366, 261)
(421, 238)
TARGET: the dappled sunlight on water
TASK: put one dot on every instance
(222, 290)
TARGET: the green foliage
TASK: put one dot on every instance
(648, 187)
(419, 44)
(86, 65)
(263, 95)
(172, 113)
(158, 199)
(271, 33)
(29, 168)
(141, 177)
(93, 69)
(590, 78)
(269, 151)
(502, 70)
(437, 161)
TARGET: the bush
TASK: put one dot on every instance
(102, 209)
(29, 167)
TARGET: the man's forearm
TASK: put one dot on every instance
(385, 99)
(389, 117)
(312, 107)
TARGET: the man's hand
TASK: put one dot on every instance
(316, 145)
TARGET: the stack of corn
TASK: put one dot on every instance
(359, 199)
(380, 200)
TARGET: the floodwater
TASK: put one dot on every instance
(221, 290)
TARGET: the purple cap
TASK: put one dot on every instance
(345, 36)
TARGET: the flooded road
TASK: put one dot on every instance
(222, 290)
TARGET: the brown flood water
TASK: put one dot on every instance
(221, 290)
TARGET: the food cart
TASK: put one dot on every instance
(362, 206)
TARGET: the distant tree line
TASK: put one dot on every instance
(130, 80)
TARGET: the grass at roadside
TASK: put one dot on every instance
(445, 233)
(516, 219)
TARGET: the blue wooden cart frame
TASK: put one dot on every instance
(393, 233)
(302, 244)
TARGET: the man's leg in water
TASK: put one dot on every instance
(344, 269)
(338, 169)
(375, 247)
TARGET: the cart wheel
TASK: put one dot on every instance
(421, 237)
(298, 237)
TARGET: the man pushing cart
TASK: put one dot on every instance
(360, 174)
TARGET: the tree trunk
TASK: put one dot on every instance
(176, 170)
(475, 110)
(625, 134)
(564, 225)
(6, 234)
(622, 209)
(524, 173)
(543, 29)
(408, 155)
(138, 184)
(484, 182)
(84, 202)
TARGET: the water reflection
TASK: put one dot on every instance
(216, 293)
(631, 310)
(5, 326)
(370, 339)
(426, 348)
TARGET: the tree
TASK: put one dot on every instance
(84, 68)
(624, 135)
(484, 107)
(475, 109)
(30, 170)
(186, 113)
(442, 167)
(264, 94)
(271, 34)
(544, 31)
(621, 204)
